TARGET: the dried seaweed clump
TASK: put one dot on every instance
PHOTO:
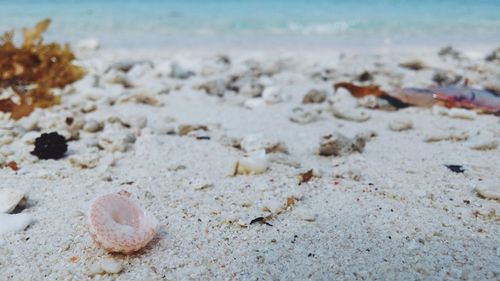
(32, 70)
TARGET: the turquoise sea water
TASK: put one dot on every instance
(356, 22)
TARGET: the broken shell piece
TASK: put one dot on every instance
(215, 87)
(272, 95)
(413, 64)
(118, 224)
(259, 141)
(489, 189)
(483, 141)
(255, 163)
(186, 129)
(93, 126)
(254, 103)
(369, 102)
(179, 72)
(110, 266)
(141, 98)
(462, 113)
(9, 199)
(351, 114)
(449, 136)
(14, 222)
(400, 125)
(336, 144)
(314, 96)
(85, 161)
(302, 116)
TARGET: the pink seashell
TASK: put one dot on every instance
(118, 224)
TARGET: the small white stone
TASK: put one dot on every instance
(85, 161)
(116, 140)
(303, 116)
(449, 136)
(256, 162)
(92, 126)
(9, 199)
(400, 125)
(89, 107)
(369, 102)
(14, 222)
(314, 96)
(489, 189)
(179, 72)
(462, 113)
(254, 103)
(439, 110)
(272, 95)
(484, 141)
(95, 269)
(256, 142)
(111, 266)
(350, 114)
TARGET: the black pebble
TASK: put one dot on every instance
(365, 76)
(50, 146)
(456, 168)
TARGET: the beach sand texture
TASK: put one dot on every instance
(390, 211)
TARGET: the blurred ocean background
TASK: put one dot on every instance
(329, 23)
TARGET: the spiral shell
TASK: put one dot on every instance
(118, 224)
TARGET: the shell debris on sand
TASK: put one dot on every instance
(110, 266)
(259, 141)
(10, 199)
(256, 162)
(352, 114)
(302, 116)
(272, 95)
(448, 136)
(400, 125)
(314, 96)
(14, 222)
(483, 141)
(336, 144)
(118, 224)
(489, 189)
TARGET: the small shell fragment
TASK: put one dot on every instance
(351, 114)
(461, 113)
(9, 199)
(336, 144)
(400, 125)
(255, 163)
(14, 222)
(483, 141)
(314, 96)
(447, 136)
(489, 189)
(256, 142)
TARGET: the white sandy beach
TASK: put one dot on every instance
(393, 211)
